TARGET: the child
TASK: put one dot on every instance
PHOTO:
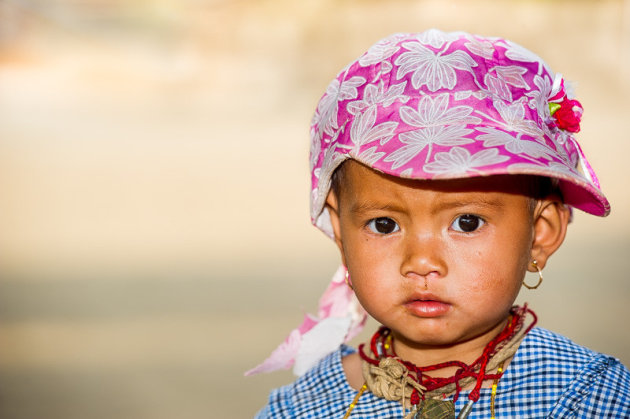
(444, 166)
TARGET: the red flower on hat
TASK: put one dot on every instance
(566, 112)
(568, 115)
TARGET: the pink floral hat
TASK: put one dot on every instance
(436, 105)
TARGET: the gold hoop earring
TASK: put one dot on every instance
(348, 280)
(540, 277)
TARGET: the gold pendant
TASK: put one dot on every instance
(436, 409)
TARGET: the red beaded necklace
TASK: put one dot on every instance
(381, 346)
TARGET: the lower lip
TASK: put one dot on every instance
(428, 308)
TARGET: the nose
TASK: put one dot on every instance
(423, 257)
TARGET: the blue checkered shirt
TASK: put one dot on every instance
(549, 377)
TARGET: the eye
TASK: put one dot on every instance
(467, 223)
(383, 225)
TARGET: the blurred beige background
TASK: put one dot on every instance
(154, 231)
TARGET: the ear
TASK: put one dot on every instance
(551, 218)
(332, 205)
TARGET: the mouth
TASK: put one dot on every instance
(427, 306)
(425, 296)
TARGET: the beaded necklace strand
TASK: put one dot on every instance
(421, 385)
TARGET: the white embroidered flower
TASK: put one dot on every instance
(483, 49)
(540, 97)
(316, 147)
(514, 144)
(435, 111)
(512, 74)
(363, 130)
(553, 166)
(325, 116)
(370, 156)
(332, 158)
(497, 88)
(480, 94)
(381, 51)
(406, 173)
(566, 146)
(463, 95)
(514, 117)
(436, 71)
(458, 161)
(499, 79)
(436, 38)
(376, 94)
(560, 167)
(519, 53)
(416, 141)
(386, 67)
(348, 89)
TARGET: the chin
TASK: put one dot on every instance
(426, 338)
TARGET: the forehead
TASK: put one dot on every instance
(358, 179)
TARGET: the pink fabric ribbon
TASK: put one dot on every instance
(340, 318)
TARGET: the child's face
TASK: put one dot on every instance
(438, 262)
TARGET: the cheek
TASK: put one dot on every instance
(373, 268)
(492, 266)
(362, 251)
(499, 277)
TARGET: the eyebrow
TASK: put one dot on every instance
(479, 199)
(362, 207)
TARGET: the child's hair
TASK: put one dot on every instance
(440, 105)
